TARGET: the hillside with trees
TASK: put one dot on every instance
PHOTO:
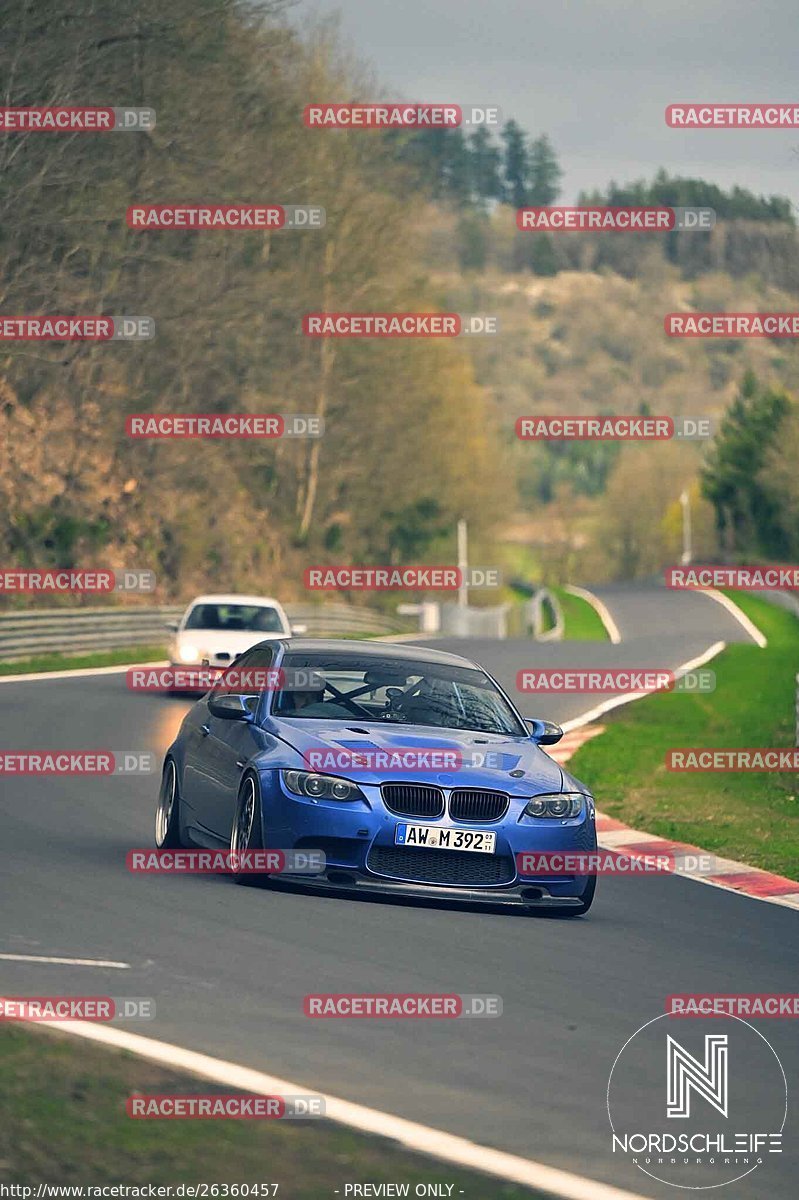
(418, 433)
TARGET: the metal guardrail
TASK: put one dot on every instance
(539, 618)
(79, 630)
(85, 630)
(333, 620)
(546, 617)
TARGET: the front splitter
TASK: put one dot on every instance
(517, 896)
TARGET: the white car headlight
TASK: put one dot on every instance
(188, 653)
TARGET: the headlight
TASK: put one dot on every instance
(320, 787)
(567, 804)
(188, 654)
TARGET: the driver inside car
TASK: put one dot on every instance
(310, 703)
(433, 702)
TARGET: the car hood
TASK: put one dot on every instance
(487, 759)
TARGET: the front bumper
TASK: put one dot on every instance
(358, 841)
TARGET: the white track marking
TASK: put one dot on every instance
(740, 616)
(67, 962)
(420, 1139)
(600, 608)
(78, 672)
(628, 697)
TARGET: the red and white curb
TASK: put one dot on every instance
(571, 742)
(730, 875)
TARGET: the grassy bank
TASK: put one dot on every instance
(752, 816)
(581, 620)
(63, 1120)
(73, 662)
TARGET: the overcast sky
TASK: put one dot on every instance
(596, 76)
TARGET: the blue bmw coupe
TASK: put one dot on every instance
(403, 769)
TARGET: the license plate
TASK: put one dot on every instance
(483, 841)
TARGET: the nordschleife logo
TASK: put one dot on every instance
(699, 1111)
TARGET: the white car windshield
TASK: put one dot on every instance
(235, 618)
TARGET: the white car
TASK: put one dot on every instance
(216, 629)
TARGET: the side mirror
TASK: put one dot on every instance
(230, 707)
(172, 626)
(546, 733)
(298, 630)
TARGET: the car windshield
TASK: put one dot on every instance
(345, 687)
(235, 618)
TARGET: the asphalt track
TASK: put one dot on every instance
(228, 967)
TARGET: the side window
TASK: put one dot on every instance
(248, 675)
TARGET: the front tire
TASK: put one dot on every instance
(167, 811)
(573, 910)
(246, 833)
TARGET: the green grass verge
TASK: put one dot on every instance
(749, 816)
(63, 1121)
(581, 620)
(72, 662)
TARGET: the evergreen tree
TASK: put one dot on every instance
(544, 172)
(747, 509)
(515, 165)
(485, 166)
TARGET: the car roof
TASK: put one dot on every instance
(373, 649)
(233, 598)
